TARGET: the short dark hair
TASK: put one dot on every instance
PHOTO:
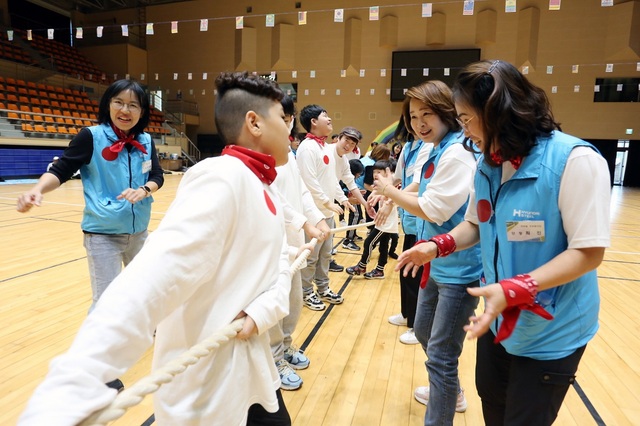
(383, 164)
(117, 87)
(513, 111)
(356, 167)
(239, 93)
(308, 113)
(287, 105)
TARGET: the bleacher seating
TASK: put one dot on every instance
(44, 110)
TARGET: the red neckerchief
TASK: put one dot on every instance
(497, 158)
(262, 165)
(110, 153)
(356, 150)
(319, 139)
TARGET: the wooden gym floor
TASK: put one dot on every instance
(360, 374)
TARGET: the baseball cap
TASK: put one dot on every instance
(351, 132)
(56, 158)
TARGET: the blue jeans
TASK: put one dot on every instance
(443, 309)
(106, 255)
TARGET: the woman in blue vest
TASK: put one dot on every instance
(540, 209)
(444, 305)
(120, 170)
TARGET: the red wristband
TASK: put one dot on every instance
(445, 243)
(519, 290)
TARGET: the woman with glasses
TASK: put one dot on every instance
(120, 170)
(444, 305)
(540, 209)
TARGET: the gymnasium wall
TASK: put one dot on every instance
(580, 33)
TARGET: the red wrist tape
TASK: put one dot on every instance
(520, 292)
(445, 243)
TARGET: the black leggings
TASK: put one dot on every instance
(258, 416)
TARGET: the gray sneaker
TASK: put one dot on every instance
(289, 379)
(331, 297)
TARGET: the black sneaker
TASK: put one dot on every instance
(350, 245)
(358, 238)
(375, 274)
(334, 267)
(116, 384)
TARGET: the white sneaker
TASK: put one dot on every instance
(409, 337)
(398, 319)
(421, 394)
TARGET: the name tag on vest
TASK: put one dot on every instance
(526, 230)
(146, 166)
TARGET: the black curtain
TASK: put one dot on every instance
(632, 171)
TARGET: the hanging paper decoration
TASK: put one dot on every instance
(576, 88)
(312, 74)
(447, 71)
(142, 77)
(383, 72)
(361, 73)
(294, 74)
(127, 76)
(638, 66)
(337, 92)
(425, 72)
(606, 3)
(343, 73)
(510, 6)
(239, 22)
(554, 4)
(467, 7)
(204, 25)
(427, 10)
(596, 88)
(374, 13)
(549, 69)
(125, 30)
(575, 68)
(204, 75)
(358, 92)
(609, 68)
(156, 76)
(306, 92)
(174, 27)
(388, 91)
(99, 31)
(302, 18)
(321, 92)
(525, 70)
(29, 35)
(372, 91)
(10, 35)
(189, 76)
(79, 32)
(554, 89)
(270, 20)
(50, 33)
(338, 15)
(149, 29)
(175, 75)
(619, 87)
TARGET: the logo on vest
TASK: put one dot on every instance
(524, 214)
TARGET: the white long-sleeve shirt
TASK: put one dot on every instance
(294, 191)
(219, 250)
(317, 168)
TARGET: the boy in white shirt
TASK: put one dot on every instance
(218, 254)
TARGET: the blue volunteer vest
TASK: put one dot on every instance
(526, 208)
(462, 267)
(410, 152)
(104, 180)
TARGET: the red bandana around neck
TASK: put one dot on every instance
(262, 165)
(110, 153)
(319, 139)
(497, 158)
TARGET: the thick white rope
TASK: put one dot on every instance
(133, 395)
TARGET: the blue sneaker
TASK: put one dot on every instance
(289, 380)
(296, 358)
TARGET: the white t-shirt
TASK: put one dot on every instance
(448, 190)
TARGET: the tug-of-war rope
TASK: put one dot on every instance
(133, 395)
